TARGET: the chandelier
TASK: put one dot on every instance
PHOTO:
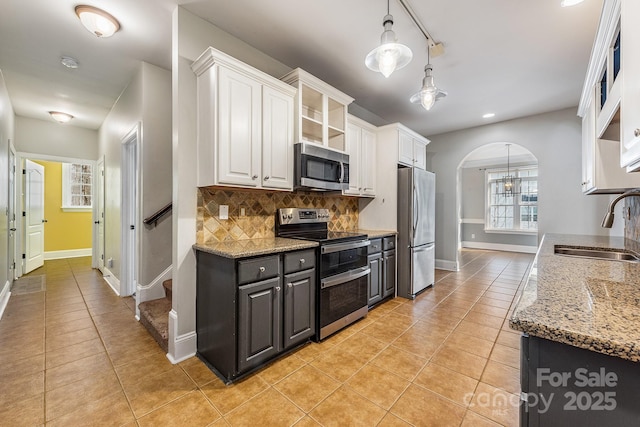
(509, 185)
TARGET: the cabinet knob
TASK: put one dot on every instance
(266, 178)
(254, 177)
(277, 288)
(636, 132)
(262, 269)
(290, 285)
(302, 261)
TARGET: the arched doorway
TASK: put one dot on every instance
(497, 198)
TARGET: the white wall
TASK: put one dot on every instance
(191, 36)
(7, 118)
(555, 140)
(50, 138)
(146, 102)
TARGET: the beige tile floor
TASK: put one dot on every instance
(74, 355)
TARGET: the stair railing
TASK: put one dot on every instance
(153, 219)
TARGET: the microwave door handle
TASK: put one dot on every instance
(341, 172)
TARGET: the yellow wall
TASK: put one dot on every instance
(63, 230)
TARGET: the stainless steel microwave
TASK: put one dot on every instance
(319, 168)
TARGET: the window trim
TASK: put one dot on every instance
(487, 207)
(66, 205)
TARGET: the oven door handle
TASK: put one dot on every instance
(336, 247)
(345, 277)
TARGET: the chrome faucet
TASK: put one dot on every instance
(607, 221)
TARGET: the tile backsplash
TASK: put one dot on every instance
(260, 208)
(632, 225)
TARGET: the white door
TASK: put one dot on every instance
(99, 200)
(34, 216)
(129, 207)
(12, 214)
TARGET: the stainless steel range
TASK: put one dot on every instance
(343, 270)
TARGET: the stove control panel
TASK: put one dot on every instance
(302, 215)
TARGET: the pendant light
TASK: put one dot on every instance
(429, 94)
(510, 184)
(390, 55)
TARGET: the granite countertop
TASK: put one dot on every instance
(377, 233)
(587, 303)
(253, 247)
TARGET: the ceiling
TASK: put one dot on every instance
(513, 58)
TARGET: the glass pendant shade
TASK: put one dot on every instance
(429, 94)
(390, 55)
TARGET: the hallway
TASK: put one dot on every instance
(75, 355)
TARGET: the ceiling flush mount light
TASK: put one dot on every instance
(60, 117)
(429, 94)
(97, 21)
(69, 62)
(390, 55)
(567, 3)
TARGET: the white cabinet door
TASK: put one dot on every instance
(368, 169)
(354, 141)
(630, 104)
(277, 139)
(239, 129)
(419, 154)
(405, 149)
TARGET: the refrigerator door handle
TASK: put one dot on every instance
(416, 210)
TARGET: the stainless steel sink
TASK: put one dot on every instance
(596, 253)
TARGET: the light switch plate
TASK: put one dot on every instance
(224, 212)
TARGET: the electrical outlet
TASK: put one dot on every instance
(110, 263)
(242, 212)
(473, 236)
(224, 212)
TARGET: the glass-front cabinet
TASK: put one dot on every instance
(321, 111)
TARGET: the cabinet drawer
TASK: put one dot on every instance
(256, 269)
(389, 243)
(375, 246)
(300, 260)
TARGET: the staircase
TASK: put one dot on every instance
(154, 315)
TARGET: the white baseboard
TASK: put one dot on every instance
(181, 347)
(443, 264)
(70, 253)
(153, 290)
(500, 247)
(111, 280)
(5, 294)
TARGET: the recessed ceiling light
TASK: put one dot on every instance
(60, 117)
(69, 62)
(567, 3)
(97, 21)
(488, 115)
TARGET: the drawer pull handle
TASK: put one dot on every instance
(302, 261)
(262, 269)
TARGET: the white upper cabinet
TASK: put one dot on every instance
(630, 107)
(602, 106)
(412, 148)
(320, 111)
(361, 147)
(245, 125)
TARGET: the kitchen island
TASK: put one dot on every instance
(580, 319)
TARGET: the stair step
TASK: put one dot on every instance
(168, 288)
(154, 316)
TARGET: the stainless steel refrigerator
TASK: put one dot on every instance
(416, 231)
